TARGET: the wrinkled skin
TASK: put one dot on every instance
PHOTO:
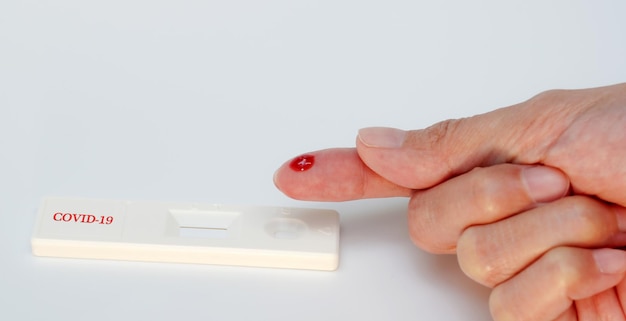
(530, 197)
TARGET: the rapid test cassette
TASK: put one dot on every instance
(298, 238)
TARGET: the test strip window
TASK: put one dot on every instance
(298, 238)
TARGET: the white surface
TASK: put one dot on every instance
(259, 236)
(200, 101)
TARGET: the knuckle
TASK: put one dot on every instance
(591, 225)
(559, 105)
(437, 133)
(568, 98)
(541, 124)
(550, 96)
(557, 263)
(481, 259)
(505, 307)
(482, 191)
(511, 301)
(500, 307)
(424, 227)
(497, 190)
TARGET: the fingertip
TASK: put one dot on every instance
(610, 261)
(276, 179)
(291, 182)
(332, 175)
(328, 176)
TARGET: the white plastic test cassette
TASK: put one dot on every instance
(295, 238)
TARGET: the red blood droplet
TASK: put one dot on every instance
(302, 163)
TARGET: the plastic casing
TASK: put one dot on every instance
(262, 236)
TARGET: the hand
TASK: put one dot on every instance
(514, 231)
(582, 133)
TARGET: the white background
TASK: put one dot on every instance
(199, 100)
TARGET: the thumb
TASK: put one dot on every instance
(419, 159)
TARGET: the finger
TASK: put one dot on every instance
(620, 289)
(439, 215)
(334, 175)
(546, 289)
(493, 253)
(602, 304)
(517, 134)
(569, 315)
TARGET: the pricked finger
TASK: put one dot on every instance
(333, 175)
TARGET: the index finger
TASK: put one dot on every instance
(336, 174)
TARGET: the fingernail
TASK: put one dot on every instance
(544, 183)
(610, 261)
(382, 137)
(620, 215)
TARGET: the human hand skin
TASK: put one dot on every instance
(514, 231)
(540, 236)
